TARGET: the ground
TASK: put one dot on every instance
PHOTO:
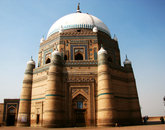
(142, 127)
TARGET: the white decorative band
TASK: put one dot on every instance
(88, 26)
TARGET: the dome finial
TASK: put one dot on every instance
(78, 8)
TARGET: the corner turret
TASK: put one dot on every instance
(25, 99)
(105, 95)
(53, 108)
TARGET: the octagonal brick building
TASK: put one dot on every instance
(79, 79)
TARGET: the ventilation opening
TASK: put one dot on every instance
(78, 57)
(65, 57)
(47, 61)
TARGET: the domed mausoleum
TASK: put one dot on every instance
(79, 79)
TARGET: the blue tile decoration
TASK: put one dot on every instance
(86, 53)
(104, 94)
(11, 105)
(95, 53)
(38, 98)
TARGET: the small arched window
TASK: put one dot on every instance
(65, 57)
(109, 59)
(78, 56)
(48, 61)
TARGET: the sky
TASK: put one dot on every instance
(138, 24)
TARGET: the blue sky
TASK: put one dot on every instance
(138, 24)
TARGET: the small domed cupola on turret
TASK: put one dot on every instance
(31, 62)
(25, 99)
(127, 61)
(102, 50)
(115, 38)
(95, 29)
(42, 39)
(56, 52)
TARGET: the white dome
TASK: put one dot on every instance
(78, 20)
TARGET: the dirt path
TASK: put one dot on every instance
(142, 127)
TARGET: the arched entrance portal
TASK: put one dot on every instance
(11, 114)
(79, 110)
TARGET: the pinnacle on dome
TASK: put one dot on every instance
(95, 29)
(42, 39)
(127, 61)
(78, 8)
(61, 29)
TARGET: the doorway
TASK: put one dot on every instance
(80, 117)
(79, 110)
(11, 112)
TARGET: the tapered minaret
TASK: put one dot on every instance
(105, 108)
(53, 107)
(25, 99)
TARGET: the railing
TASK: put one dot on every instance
(41, 68)
(68, 63)
(80, 62)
